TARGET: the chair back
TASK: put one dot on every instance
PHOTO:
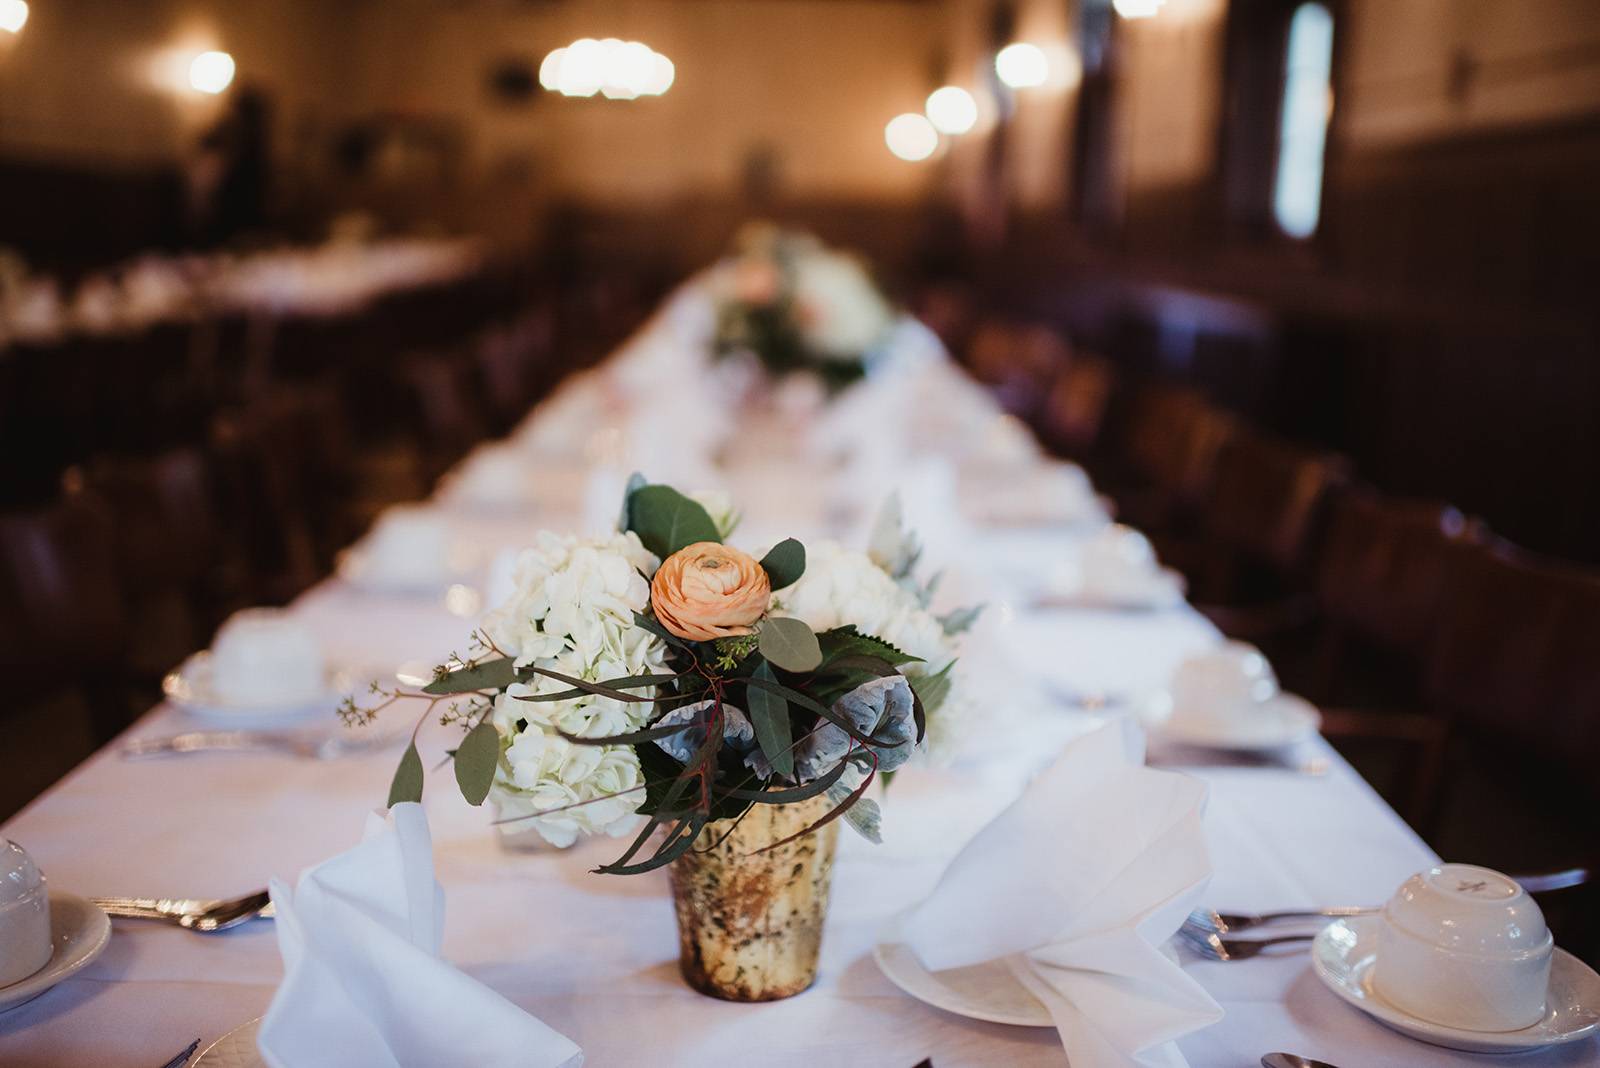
(1383, 564)
(61, 606)
(1514, 656)
(1269, 498)
(1075, 408)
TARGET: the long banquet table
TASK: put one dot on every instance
(596, 957)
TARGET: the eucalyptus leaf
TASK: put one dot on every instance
(863, 814)
(961, 620)
(666, 520)
(769, 714)
(790, 644)
(785, 563)
(494, 674)
(407, 782)
(476, 760)
(636, 481)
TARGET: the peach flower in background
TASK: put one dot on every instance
(707, 591)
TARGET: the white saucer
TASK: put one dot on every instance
(190, 689)
(355, 568)
(79, 932)
(1342, 955)
(236, 1049)
(1280, 722)
(1155, 592)
(985, 991)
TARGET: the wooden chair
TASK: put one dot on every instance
(1170, 441)
(446, 408)
(63, 628)
(1016, 361)
(178, 578)
(266, 502)
(1380, 581)
(1074, 412)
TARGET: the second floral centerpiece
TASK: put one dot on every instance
(662, 683)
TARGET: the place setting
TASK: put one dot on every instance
(264, 685)
(1113, 570)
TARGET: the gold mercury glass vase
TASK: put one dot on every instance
(749, 923)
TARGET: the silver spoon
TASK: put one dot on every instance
(1291, 1060)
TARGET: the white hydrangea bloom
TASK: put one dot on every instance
(573, 612)
(844, 586)
(543, 771)
(840, 311)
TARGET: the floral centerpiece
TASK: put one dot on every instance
(723, 710)
(799, 307)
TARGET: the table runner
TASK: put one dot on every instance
(596, 957)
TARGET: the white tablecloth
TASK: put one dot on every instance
(596, 956)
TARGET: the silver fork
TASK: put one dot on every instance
(1215, 947)
(204, 916)
(244, 741)
(1222, 923)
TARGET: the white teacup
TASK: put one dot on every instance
(261, 656)
(408, 546)
(1222, 688)
(1464, 947)
(497, 476)
(24, 915)
(1118, 563)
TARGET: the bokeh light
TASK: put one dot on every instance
(1022, 65)
(952, 110)
(616, 69)
(911, 137)
(13, 15)
(211, 72)
(1137, 9)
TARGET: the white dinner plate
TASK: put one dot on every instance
(1342, 956)
(1280, 722)
(981, 991)
(236, 1049)
(190, 689)
(79, 932)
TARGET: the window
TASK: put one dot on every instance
(1303, 124)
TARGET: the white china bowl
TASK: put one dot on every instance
(261, 656)
(24, 915)
(1465, 947)
(1214, 692)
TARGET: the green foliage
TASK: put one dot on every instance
(847, 641)
(407, 782)
(474, 675)
(769, 714)
(666, 520)
(785, 563)
(931, 690)
(789, 644)
(961, 620)
(731, 652)
(476, 760)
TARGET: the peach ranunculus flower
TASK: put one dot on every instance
(706, 591)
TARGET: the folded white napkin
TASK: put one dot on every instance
(1076, 886)
(363, 980)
